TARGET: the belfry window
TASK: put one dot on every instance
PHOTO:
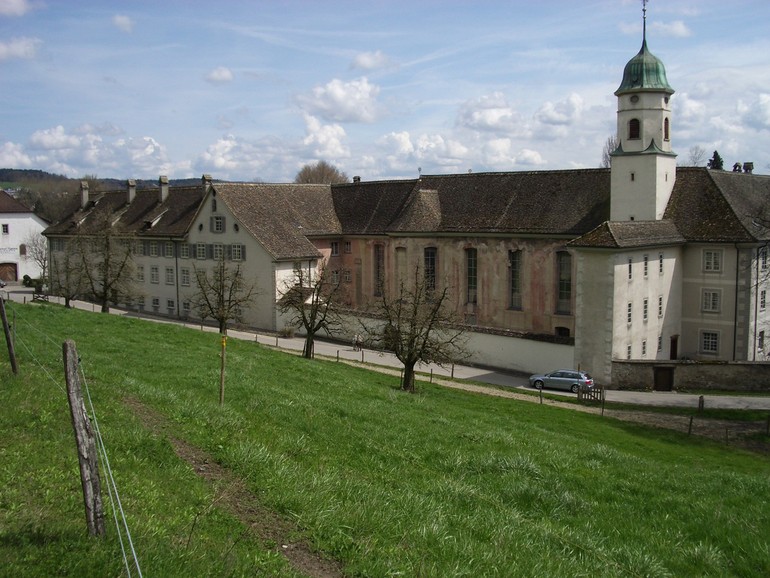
(666, 129)
(634, 129)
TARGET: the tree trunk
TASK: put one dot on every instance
(307, 352)
(408, 383)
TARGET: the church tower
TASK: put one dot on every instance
(643, 166)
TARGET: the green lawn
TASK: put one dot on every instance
(441, 483)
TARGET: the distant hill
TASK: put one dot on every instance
(34, 179)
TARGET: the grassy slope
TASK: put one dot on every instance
(443, 483)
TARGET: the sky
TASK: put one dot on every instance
(382, 89)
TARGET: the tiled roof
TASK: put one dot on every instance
(369, 208)
(721, 206)
(282, 216)
(630, 234)
(145, 216)
(10, 205)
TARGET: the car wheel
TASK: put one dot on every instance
(574, 388)
(538, 384)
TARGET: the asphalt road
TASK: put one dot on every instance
(461, 372)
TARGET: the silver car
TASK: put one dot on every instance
(566, 379)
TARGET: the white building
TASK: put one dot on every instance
(19, 227)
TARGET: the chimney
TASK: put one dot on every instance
(748, 168)
(206, 182)
(83, 194)
(131, 186)
(356, 179)
(163, 184)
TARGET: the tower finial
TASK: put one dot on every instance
(644, 20)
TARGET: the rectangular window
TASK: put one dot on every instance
(200, 250)
(218, 251)
(184, 251)
(140, 273)
(630, 269)
(762, 299)
(709, 342)
(170, 305)
(761, 341)
(564, 279)
(646, 266)
(629, 308)
(471, 275)
(644, 348)
(379, 269)
(348, 247)
(153, 248)
(5, 228)
(711, 301)
(430, 268)
(514, 279)
(763, 258)
(186, 306)
(141, 249)
(156, 303)
(140, 303)
(184, 273)
(660, 343)
(169, 275)
(154, 275)
(645, 309)
(660, 306)
(169, 250)
(660, 263)
(236, 252)
(217, 224)
(628, 352)
(335, 248)
(346, 276)
(712, 261)
(335, 277)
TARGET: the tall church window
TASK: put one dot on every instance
(514, 265)
(471, 273)
(564, 282)
(634, 129)
(379, 269)
(666, 129)
(430, 268)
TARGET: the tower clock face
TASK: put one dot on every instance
(634, 99)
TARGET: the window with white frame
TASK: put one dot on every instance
(709, 342)
(170, 305)
(169, 250)
(218, 224)
(335, 277)
(347, 277)
(660, 343)
(140, 273)
(184, 274)
(644, 348)
(154, 274)
(169, 275)
(153, 248)
(761, 341)
(236, 252)
(348, 247)
(763, 258)
(184, 251)
(645, 309)
(629, 308)
(762, 299)
(646, 266)
(140, 302)
(712, 261)
(660, 263)
(628, 352)
(186, 306)
(660, 306)
(217, 251)
(140, 248)
(200, 250)
(711, 301)
(6, 229)
(630, 269)
(335, 248)
(156, 303)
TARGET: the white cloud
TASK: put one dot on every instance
(677, 29)
(220, 75)
(354, 101)
(491, 113)
(13, 155)
(53, 139)
(370, 60)
(19, 48)
(123, 23)
(325, 139)
(566, 112)
(14, 7)
(529, 157)
(757, 112)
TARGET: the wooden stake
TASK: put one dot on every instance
(84, 437)
(8, 340)
(222, 371)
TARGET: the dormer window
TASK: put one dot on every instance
(634, 129)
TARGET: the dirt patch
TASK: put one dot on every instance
(236, 498)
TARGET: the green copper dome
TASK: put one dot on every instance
(644, 72)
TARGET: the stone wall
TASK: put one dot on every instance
(691, 375)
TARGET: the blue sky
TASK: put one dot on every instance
(253, 90)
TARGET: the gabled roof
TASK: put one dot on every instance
(630, 234)
(145, 216)
(369, 208)
(10, 205)
(282, 216)
(720, 206)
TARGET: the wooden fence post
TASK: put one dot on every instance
(84, 436)
(7, 331)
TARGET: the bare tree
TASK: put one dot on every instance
(311, 299)
(320, 173)
(37, 250)
(222, 293)
(610, 146)
(108, 264)
(419, 326)
(67, 277)
(696, 156)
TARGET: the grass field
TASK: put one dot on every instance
(441, 483)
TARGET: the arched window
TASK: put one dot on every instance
(666, 129)
(23, 250)
(634, 129)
